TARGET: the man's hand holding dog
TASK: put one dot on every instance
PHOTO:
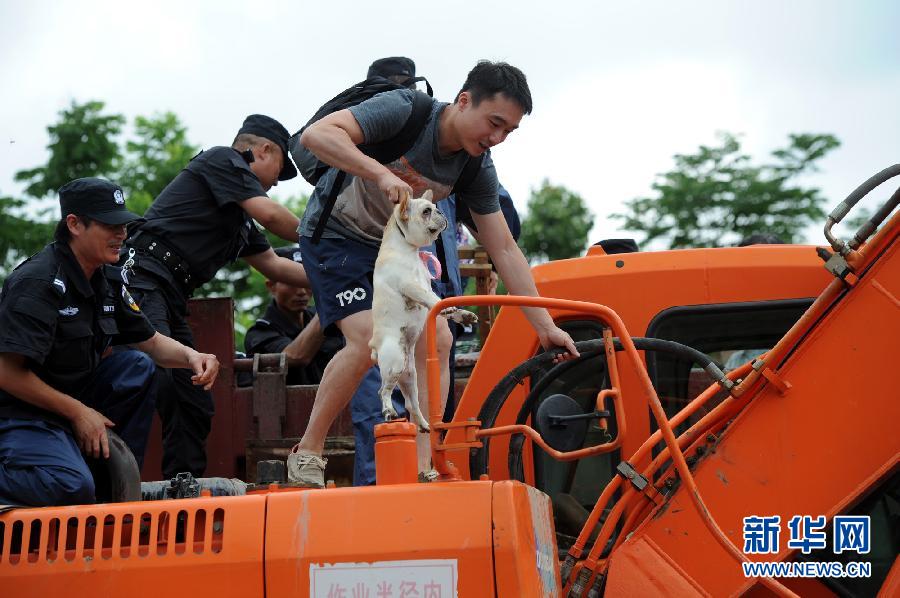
(393, 186)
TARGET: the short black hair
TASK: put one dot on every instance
(62, 234)
(490, 78)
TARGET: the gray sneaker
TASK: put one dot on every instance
(307, 469)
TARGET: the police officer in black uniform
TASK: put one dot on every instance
(60, 311)
(289, 326)
(201, 221)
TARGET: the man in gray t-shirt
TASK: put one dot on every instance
(490, 105)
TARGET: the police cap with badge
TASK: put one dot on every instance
(98, 199)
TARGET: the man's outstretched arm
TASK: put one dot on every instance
(272, 216)
(494, 235)
(278, 269)
(169, 353)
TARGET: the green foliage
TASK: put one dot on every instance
(154, 158)
(557, 224)
(715, 197)
(82, 144)
(19, 236)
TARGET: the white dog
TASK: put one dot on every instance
(402, 298)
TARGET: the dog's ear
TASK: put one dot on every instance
(428, 195)
(403, 208)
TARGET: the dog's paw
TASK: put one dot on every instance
(449, 311)
(464, 316)
(389, 414)
(424, 428)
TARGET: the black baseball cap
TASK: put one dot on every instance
(266, 126)
(98, 199)
(393, 66)
(291, 252)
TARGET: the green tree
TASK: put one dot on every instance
(159, 152)
(557, 224)
(716, 196)
(20, 236)
(83, 143)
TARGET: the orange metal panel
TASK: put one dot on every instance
(524, 542)
(646, 571)
(213, 545)
(383, 524)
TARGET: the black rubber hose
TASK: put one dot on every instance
(863, 190)
(877, 218)
(117, 479)
(517, 441)
(493, 403)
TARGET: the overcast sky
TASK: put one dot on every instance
(618, 87)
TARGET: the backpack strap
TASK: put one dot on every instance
(385, 152)
(416, 80)
(389, 150)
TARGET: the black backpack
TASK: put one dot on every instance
(312, 169)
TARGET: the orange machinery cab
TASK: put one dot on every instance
(817, 437)
(720, 301)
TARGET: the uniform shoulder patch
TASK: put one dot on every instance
(129, 300)
(60, 285)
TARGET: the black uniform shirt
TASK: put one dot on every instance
(62, 323)
(199, 215)
(275, 331)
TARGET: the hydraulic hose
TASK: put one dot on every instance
(843, 208)
(478, 461)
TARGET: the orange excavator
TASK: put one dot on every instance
(730, 429)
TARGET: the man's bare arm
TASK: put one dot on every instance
(278, 269)
(333, 140)
(170, 353)
(494, 235)
(272, 216)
